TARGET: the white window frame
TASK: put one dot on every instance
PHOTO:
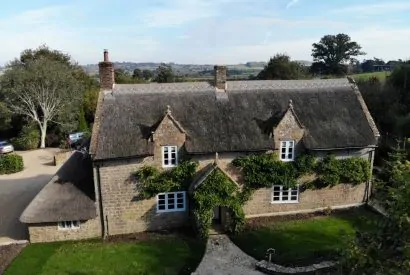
(166, 153)
(287, 144)
(69, 225)
(289, 197)
(165, 201)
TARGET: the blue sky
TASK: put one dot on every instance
(201, 31)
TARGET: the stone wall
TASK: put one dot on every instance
(340, 195)
(124, 212)
(49, 232)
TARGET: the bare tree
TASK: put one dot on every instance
(41, 90)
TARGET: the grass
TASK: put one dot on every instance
(364, 76)
(164, 255)
(302, 242)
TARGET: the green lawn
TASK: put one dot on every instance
(163, 255)
(364, 76)
(303, 242)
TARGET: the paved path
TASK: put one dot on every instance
(17, 191)
(222, 257)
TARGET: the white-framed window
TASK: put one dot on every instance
(281, 194)
(171, 202)
(67, 225)
(287, 150)
(169, 156)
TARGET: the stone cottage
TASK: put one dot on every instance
(160, 124)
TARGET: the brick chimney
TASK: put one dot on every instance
(220, 77)
(106, 73)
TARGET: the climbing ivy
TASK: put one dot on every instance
(152, 181)
(267, 170)
(217, 190)
(259, 171)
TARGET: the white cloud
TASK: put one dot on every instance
(291, 3)
(180, 12)
(375, 8)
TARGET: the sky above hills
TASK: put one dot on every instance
(201, 31)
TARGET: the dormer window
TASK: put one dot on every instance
(169, 156)
(287, 150)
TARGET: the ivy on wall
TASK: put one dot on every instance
(152, 181)
(266, 170)
(259, 171)
(217, 190)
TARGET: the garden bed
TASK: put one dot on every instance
(303, 239)
(146, 254)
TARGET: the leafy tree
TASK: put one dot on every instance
(42, 89)
(5, 117)
(147, 74)
(335, 50)
(386, 248)
(82, 123)
(164, 74)
(90, 104)
(281, 67)
(137, 74)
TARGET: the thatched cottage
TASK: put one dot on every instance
(159, 124)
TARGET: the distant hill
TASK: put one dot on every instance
(242, 70)
(183, 69)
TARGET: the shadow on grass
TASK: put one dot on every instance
(167, 254)
(306, 241)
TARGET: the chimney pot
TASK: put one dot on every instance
(106, 59)
(220, 77)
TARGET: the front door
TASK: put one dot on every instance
(217, 215)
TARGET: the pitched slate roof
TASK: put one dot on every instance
(242, 119)
(68, 196)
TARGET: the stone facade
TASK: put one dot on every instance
(168, 132)
(49, 232)
(340, 195)
(288, 129)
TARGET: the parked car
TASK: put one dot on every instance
(6, 147)
(75, 139)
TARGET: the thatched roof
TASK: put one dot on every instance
(68, 196)
(332, 112)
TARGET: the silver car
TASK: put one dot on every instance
(6, 147)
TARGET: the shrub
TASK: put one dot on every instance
(11, 163)
(28, 139)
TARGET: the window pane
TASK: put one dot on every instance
(180, 200)
(180, 206)
(161, 206)
(165, 149)
(283, 144)
(165, 161)
(275, 198)
(171, 195)
(276, 188)
(161, 197)
(283, 156)
(173, 149)
(180, 195)
(290, 150)
(294, 198)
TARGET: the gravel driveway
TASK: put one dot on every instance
(17, 191)
(222, 257)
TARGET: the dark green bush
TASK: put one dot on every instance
(11, 163)
(28, 139)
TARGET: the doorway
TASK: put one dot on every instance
(216, 219)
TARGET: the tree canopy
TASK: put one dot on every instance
(164, 74)
(282, 67)
(44, 87)
(333, 51)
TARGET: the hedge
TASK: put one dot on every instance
(11, 163)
